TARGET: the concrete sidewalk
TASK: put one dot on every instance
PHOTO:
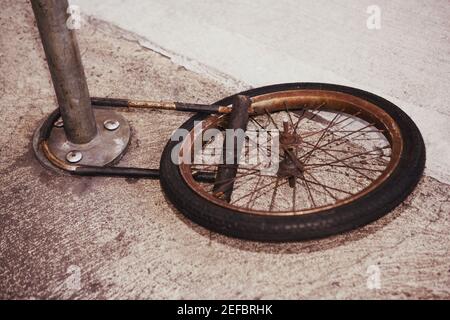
(68, 237)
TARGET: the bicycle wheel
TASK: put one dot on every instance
(347, 157)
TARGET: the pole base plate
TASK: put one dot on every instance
(105, 149)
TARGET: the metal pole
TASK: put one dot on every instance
(64, 61)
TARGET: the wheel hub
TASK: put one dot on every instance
(287, 168)
(290, 166)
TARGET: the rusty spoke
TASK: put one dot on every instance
(313, 203)
(268, 150)
(250, 202)
(274, 195)
(335, 125)
(259, 189)
(271, 119)
(341, 138)
(231, 180)
(317, 113)
(343, 159)
(257, 123)
(356, 174)
(310, 145)
(352, 167)
(377, 158)
(320, 139)
(304, 114)
(299, 119)
(326, 186)
(345, 141)
(289, 114)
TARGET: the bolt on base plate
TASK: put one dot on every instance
(111, 142)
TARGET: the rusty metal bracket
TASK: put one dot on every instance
(226, 173)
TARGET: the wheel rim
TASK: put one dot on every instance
(347, 145)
